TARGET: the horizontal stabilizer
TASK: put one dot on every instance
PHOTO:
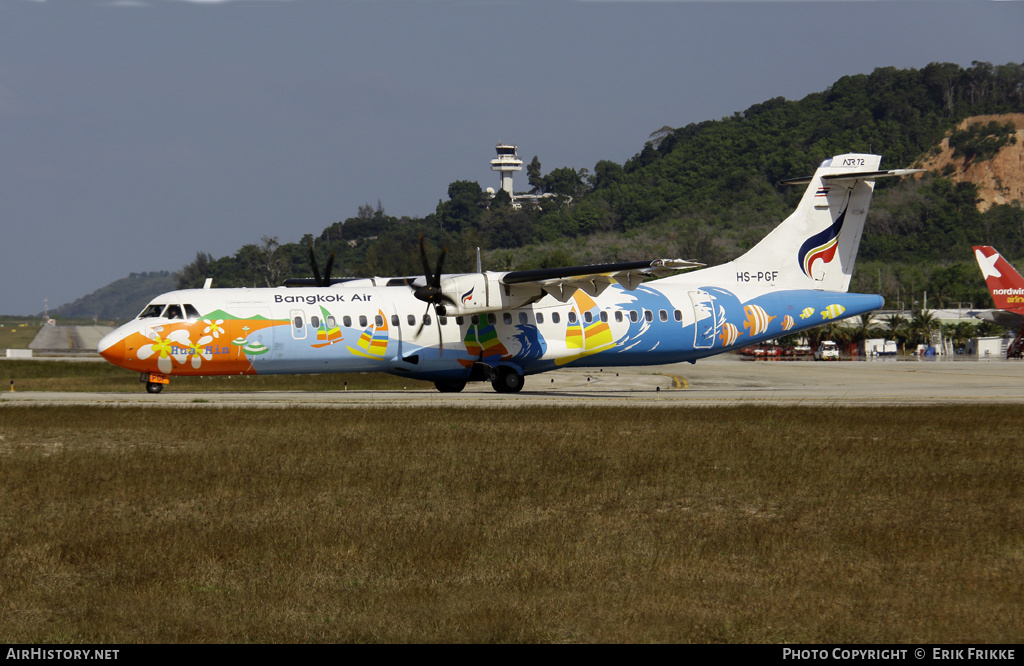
(852, 176)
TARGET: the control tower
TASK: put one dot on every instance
(506, 163)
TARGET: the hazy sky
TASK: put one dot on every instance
(136, 133)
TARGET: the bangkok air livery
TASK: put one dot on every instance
(501, 327)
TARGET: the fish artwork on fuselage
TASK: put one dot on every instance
(504, 326)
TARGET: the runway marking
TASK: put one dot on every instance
(681, 382)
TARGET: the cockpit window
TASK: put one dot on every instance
(173, 312)
(152, 310)
(191, 312)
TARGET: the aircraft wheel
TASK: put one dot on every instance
(450, 385)
(507, 381)
(153, 387)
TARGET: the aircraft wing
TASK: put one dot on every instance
(478, 293)
(1006, 318)
(593, 279)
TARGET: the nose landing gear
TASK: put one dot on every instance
(155, 382)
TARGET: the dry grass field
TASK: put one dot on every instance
(136, 525)
(16, 334)
(56, 375)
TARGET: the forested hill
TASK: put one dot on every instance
(120, 300)
(709, 190)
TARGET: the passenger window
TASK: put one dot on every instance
(587, 317)
(394, 320)
(522, 318)
(332, 322)
(362, 320)
(460, 320)
(555, 317)
(411, 319)
(618, 315)
(604, 316)
(191, 312)
(442, 320)
(314, 321)
(662, 315)
(475, 319)
(633, 317)
(678, 315)
(379, 321)
(506, 317)
(297, 322)
(426, 320)
(572, 316)
(540, 317)
(491, 318)
(648, 315)
(347, 321)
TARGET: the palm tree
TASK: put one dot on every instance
(922, 325)
(836, 333)
(959, 334)
(863, 330)
(895, 327)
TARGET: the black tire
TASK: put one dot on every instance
(507, 380)
(153, 387)
(450, 385)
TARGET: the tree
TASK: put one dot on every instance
(269, 263)
(565, 182)
(921, 327)
(606, 174)
(533, 175)
(194, 274)
(500, 200)
(466, 201)
(959, 333)
(863, 330)
(895, 327)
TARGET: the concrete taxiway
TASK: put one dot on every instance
(65, 339)
(726, 380)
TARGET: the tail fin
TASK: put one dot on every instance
(815, 247)
(1005, 283)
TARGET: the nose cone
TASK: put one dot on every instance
(111, 347)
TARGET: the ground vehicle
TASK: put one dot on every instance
(826, 351)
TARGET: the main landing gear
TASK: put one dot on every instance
(450, 385)
(504, 379)
(507, 380)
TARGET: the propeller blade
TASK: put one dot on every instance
(327, 271)
(437, 273)
(426, 264)
(430, 292)
(423, 320)
(440, 335)
(312, 261)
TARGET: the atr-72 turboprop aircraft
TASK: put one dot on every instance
(503, 326)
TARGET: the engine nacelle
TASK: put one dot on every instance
(474, 293)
